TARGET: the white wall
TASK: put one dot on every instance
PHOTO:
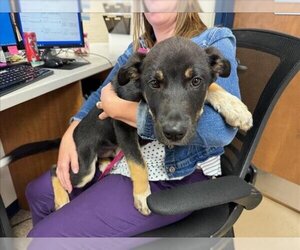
(7, 189)
(208, 15)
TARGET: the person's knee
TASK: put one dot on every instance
(33, 191)
(39, 189)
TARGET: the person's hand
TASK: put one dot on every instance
(115, 107)
(110, 102)
(67, 157)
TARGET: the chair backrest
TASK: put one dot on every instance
(268, 62)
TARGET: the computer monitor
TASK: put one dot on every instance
(7, 34)
(57, 24)
(53, 29)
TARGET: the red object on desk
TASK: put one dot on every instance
(32, 52)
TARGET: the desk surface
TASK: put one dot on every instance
(112, 50)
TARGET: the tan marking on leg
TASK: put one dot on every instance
(103, 163)
(86, 179)
(61, 196)
(139, 176)
(141, 187)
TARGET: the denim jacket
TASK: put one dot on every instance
(212, 132)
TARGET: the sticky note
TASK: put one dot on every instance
(13, 50)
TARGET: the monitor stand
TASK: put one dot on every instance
(53, 61)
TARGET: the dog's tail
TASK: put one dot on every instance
(29, 149)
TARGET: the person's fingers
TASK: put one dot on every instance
(62, 171)
(74, 163)
(65, 176)
(103, 116)
(60, 176)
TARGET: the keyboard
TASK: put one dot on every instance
(18, 76)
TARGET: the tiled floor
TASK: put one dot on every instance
(269, 219)
(22, 229)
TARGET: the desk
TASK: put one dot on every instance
(41, 111)
(60, 78)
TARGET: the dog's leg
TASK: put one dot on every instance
(230, 107)
(128, 141)
(61, 196)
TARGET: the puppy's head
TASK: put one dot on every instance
(174, 78)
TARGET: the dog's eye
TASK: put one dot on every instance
(154, 84)
(196, 81)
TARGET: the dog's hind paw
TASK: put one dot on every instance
(140, 202)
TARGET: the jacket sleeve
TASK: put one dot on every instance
(95, 96)
(212, 131)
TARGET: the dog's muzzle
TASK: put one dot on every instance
(174, 126)
(174, 131)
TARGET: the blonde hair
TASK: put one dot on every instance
(188, 24)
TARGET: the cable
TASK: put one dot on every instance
(95, 54)
(82, 57)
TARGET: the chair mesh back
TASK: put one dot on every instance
(253, 81)
(268, 61)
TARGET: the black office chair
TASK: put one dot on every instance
(268, 62)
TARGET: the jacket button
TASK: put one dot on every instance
(172, 169)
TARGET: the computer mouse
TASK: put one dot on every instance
(59, 61)
(51, 63)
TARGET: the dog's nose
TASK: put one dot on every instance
(174, 132)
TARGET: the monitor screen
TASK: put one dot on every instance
(5, 6)
(53, 29)
(7, 35)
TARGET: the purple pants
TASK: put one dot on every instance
(104, 209)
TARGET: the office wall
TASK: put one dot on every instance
(208, 15)
(97, 32)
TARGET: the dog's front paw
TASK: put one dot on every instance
(239, 116)
(235, 112)
(140, 202)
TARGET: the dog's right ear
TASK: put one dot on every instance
(219, 65)
(132, 69)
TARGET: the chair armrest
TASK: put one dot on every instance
(29, 149)
(204, 194)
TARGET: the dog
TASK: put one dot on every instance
(175, 79)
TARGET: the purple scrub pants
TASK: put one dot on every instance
(104, 209)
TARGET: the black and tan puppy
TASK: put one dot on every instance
(175, 79)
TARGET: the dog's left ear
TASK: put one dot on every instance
(132, 69)
(219, 65)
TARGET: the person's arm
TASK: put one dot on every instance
(95, 96)
(212, 131)
(116, 107)
(67, 157)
